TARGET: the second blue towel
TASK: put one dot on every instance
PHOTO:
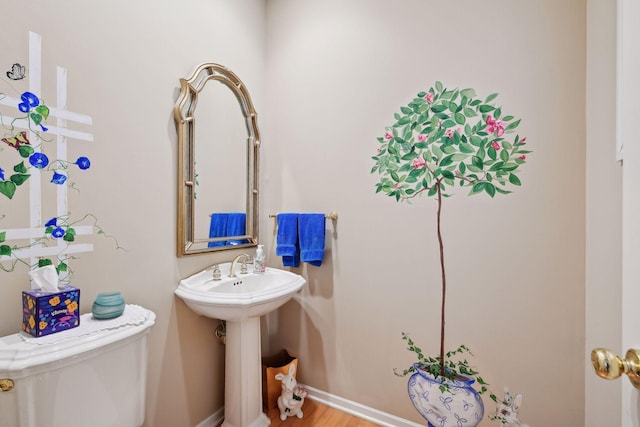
(311, 235)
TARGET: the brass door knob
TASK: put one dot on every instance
(6, 384)
(610, 366)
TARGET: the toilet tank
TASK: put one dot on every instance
(93, 375)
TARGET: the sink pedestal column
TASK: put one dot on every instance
(243, 375)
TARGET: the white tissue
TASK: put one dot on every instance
(44, 278)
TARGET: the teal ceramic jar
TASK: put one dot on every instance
(108, 305)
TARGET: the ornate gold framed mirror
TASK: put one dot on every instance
(217, 162)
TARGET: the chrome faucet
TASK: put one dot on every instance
(243, 268)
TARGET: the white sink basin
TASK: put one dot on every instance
(241, 297)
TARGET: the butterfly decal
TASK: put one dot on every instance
(17, 140)
(17, 72)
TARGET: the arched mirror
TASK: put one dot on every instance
(218, 145)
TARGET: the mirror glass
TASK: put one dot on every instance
(218, 143)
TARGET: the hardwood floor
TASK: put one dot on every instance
(318, 415)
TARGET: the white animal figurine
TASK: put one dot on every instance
(507, 410)
(292, 396)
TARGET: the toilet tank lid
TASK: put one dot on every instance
(21, 351)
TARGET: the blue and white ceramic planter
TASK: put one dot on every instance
(459, 407)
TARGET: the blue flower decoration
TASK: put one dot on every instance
(83, 163)
(58, 178)
(52, 222)
(29, 100)
(39, 160)
(1, 174)
(58, 232)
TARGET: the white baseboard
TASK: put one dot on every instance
(213, 420)
(358, 410)
(348, 406)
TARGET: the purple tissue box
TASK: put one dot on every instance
(45, 313)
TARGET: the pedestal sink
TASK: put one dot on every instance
(240, 301)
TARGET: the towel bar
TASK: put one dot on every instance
(333, 215)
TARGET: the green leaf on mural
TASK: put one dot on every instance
(7, 188)
(513, 125)
(43, 262)
(448, 174)
(5, 250)
(491, 97)
(475, 140)
(20, 168)
(25, 151)
(3, 236)
(447, 161)
(19, 178)
(469, 93)
(486, 108)
(477, 162)
(43, 110)
(504, 155)
(36, 118)
(438, 108)
(514, 179)
(62, 267)
(459, 118)
(466, 148)
(469, 112)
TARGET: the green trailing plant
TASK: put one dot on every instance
(56, 229)
(442, 140)
(455, 364)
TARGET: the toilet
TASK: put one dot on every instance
(92, 375)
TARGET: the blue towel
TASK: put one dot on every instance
(311, 230)
(287, 239)
(218, 228)
(236, 226)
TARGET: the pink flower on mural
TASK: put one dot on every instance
(429, 97)
(495, 125)
(495, 145)
(422, 137)
(449, 132)
(523, 157)
(388, 135)
(418, 163)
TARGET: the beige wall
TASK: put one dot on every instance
(124, 60)
(336, 73)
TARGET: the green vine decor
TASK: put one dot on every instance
(25, 150)
(57, 228)
(443, 139)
